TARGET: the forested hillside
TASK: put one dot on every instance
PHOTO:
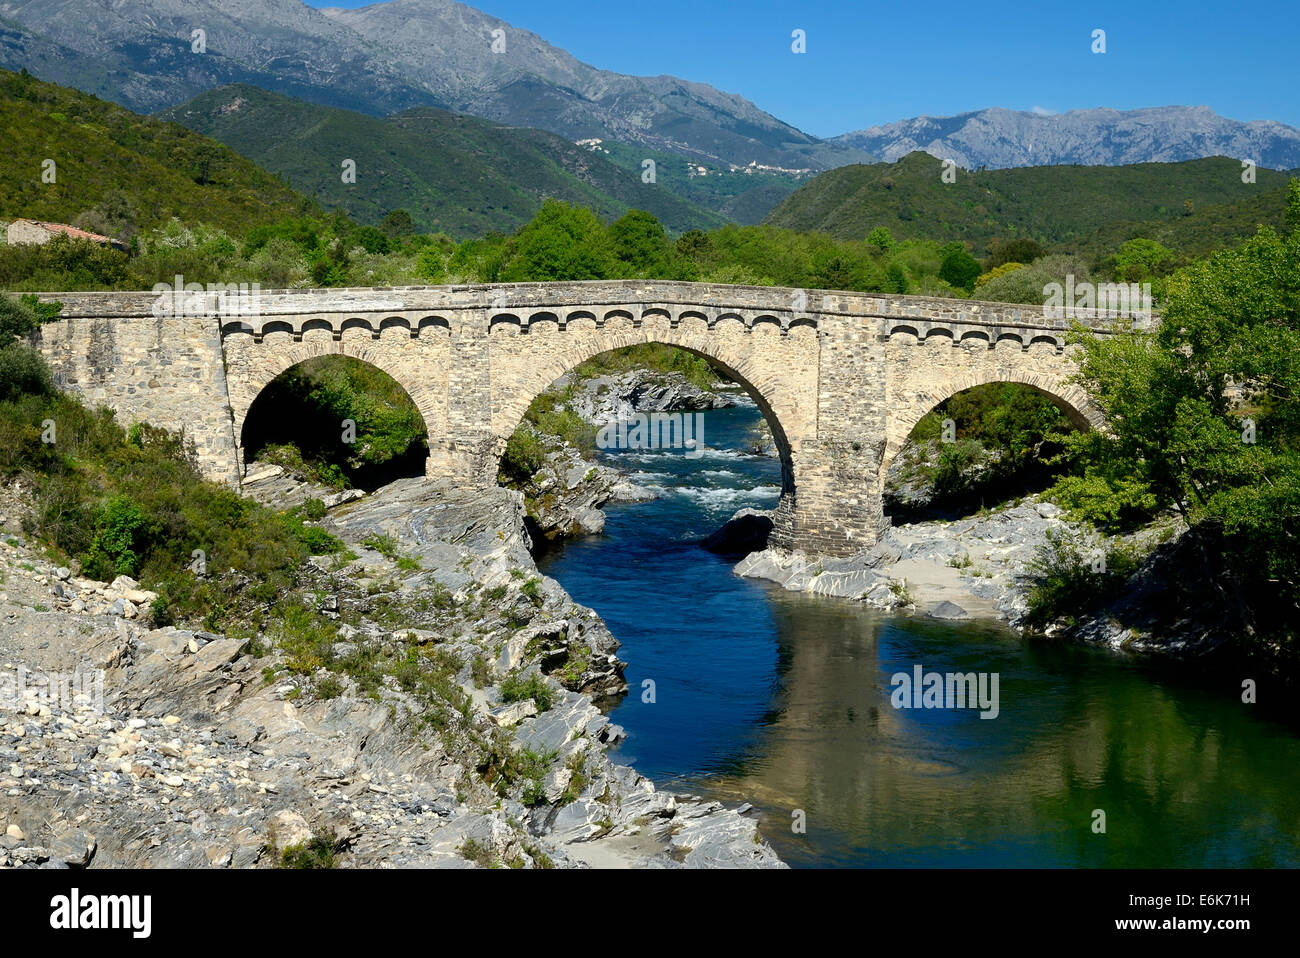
(455, 174)
(122, 170)
(1198, 205)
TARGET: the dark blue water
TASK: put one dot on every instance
(705, 637)
(783, 700)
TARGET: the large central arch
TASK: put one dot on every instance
(758, 356)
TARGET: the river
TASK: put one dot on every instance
(784, 700)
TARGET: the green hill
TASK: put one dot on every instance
(740, 196)
(1195, 205)
(99, 148)
(453, 173)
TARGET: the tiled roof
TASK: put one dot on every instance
(69, 231)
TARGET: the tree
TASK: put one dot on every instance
(561, 242)
(958, 267)
(1291, 215)
(640, 243)
(114, 215)
(1204, 419)
(896, 279)
(881, 239)
(205, 160)
(694, 244)
(1140, 259)
(1018, 250)
(397, 223)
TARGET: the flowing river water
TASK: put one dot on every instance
(784, 700)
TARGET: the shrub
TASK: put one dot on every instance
(23, 371)
(121, 537)
(517, 688)
(321, 851)
(523, 457)
(1068, 582)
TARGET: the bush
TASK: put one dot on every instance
(23, 371)
(320, 851)
(1069, 582)
(516, 688)
(135, 503)
(122, 535)
(523, 457)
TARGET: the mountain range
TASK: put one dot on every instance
(453, 173)
(998, 139)
(384, 58)
(391, 56)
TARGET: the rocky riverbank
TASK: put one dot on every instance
(981, 566)
(424, 699)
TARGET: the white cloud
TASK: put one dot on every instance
(1041, 111)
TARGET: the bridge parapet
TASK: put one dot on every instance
(563, 299)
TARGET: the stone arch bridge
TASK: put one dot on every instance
(841, 377)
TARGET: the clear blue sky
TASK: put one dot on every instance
(870, 62)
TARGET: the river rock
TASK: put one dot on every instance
(505, 716)
(745, 532)
(948, 610)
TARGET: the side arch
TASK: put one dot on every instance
(251, 367)
(903, 416)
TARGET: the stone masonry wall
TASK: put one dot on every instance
(841, 377)
(161, 370)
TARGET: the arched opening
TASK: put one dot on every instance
(336, 421)
(977, 448)
(636, 422)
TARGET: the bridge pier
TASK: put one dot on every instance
(836, 507)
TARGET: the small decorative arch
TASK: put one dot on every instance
(503, 322)
(274, 326)
(311, 325)
(434, 324)
(357, 322)
(730, 322)
(394, 323)
(613, 316)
